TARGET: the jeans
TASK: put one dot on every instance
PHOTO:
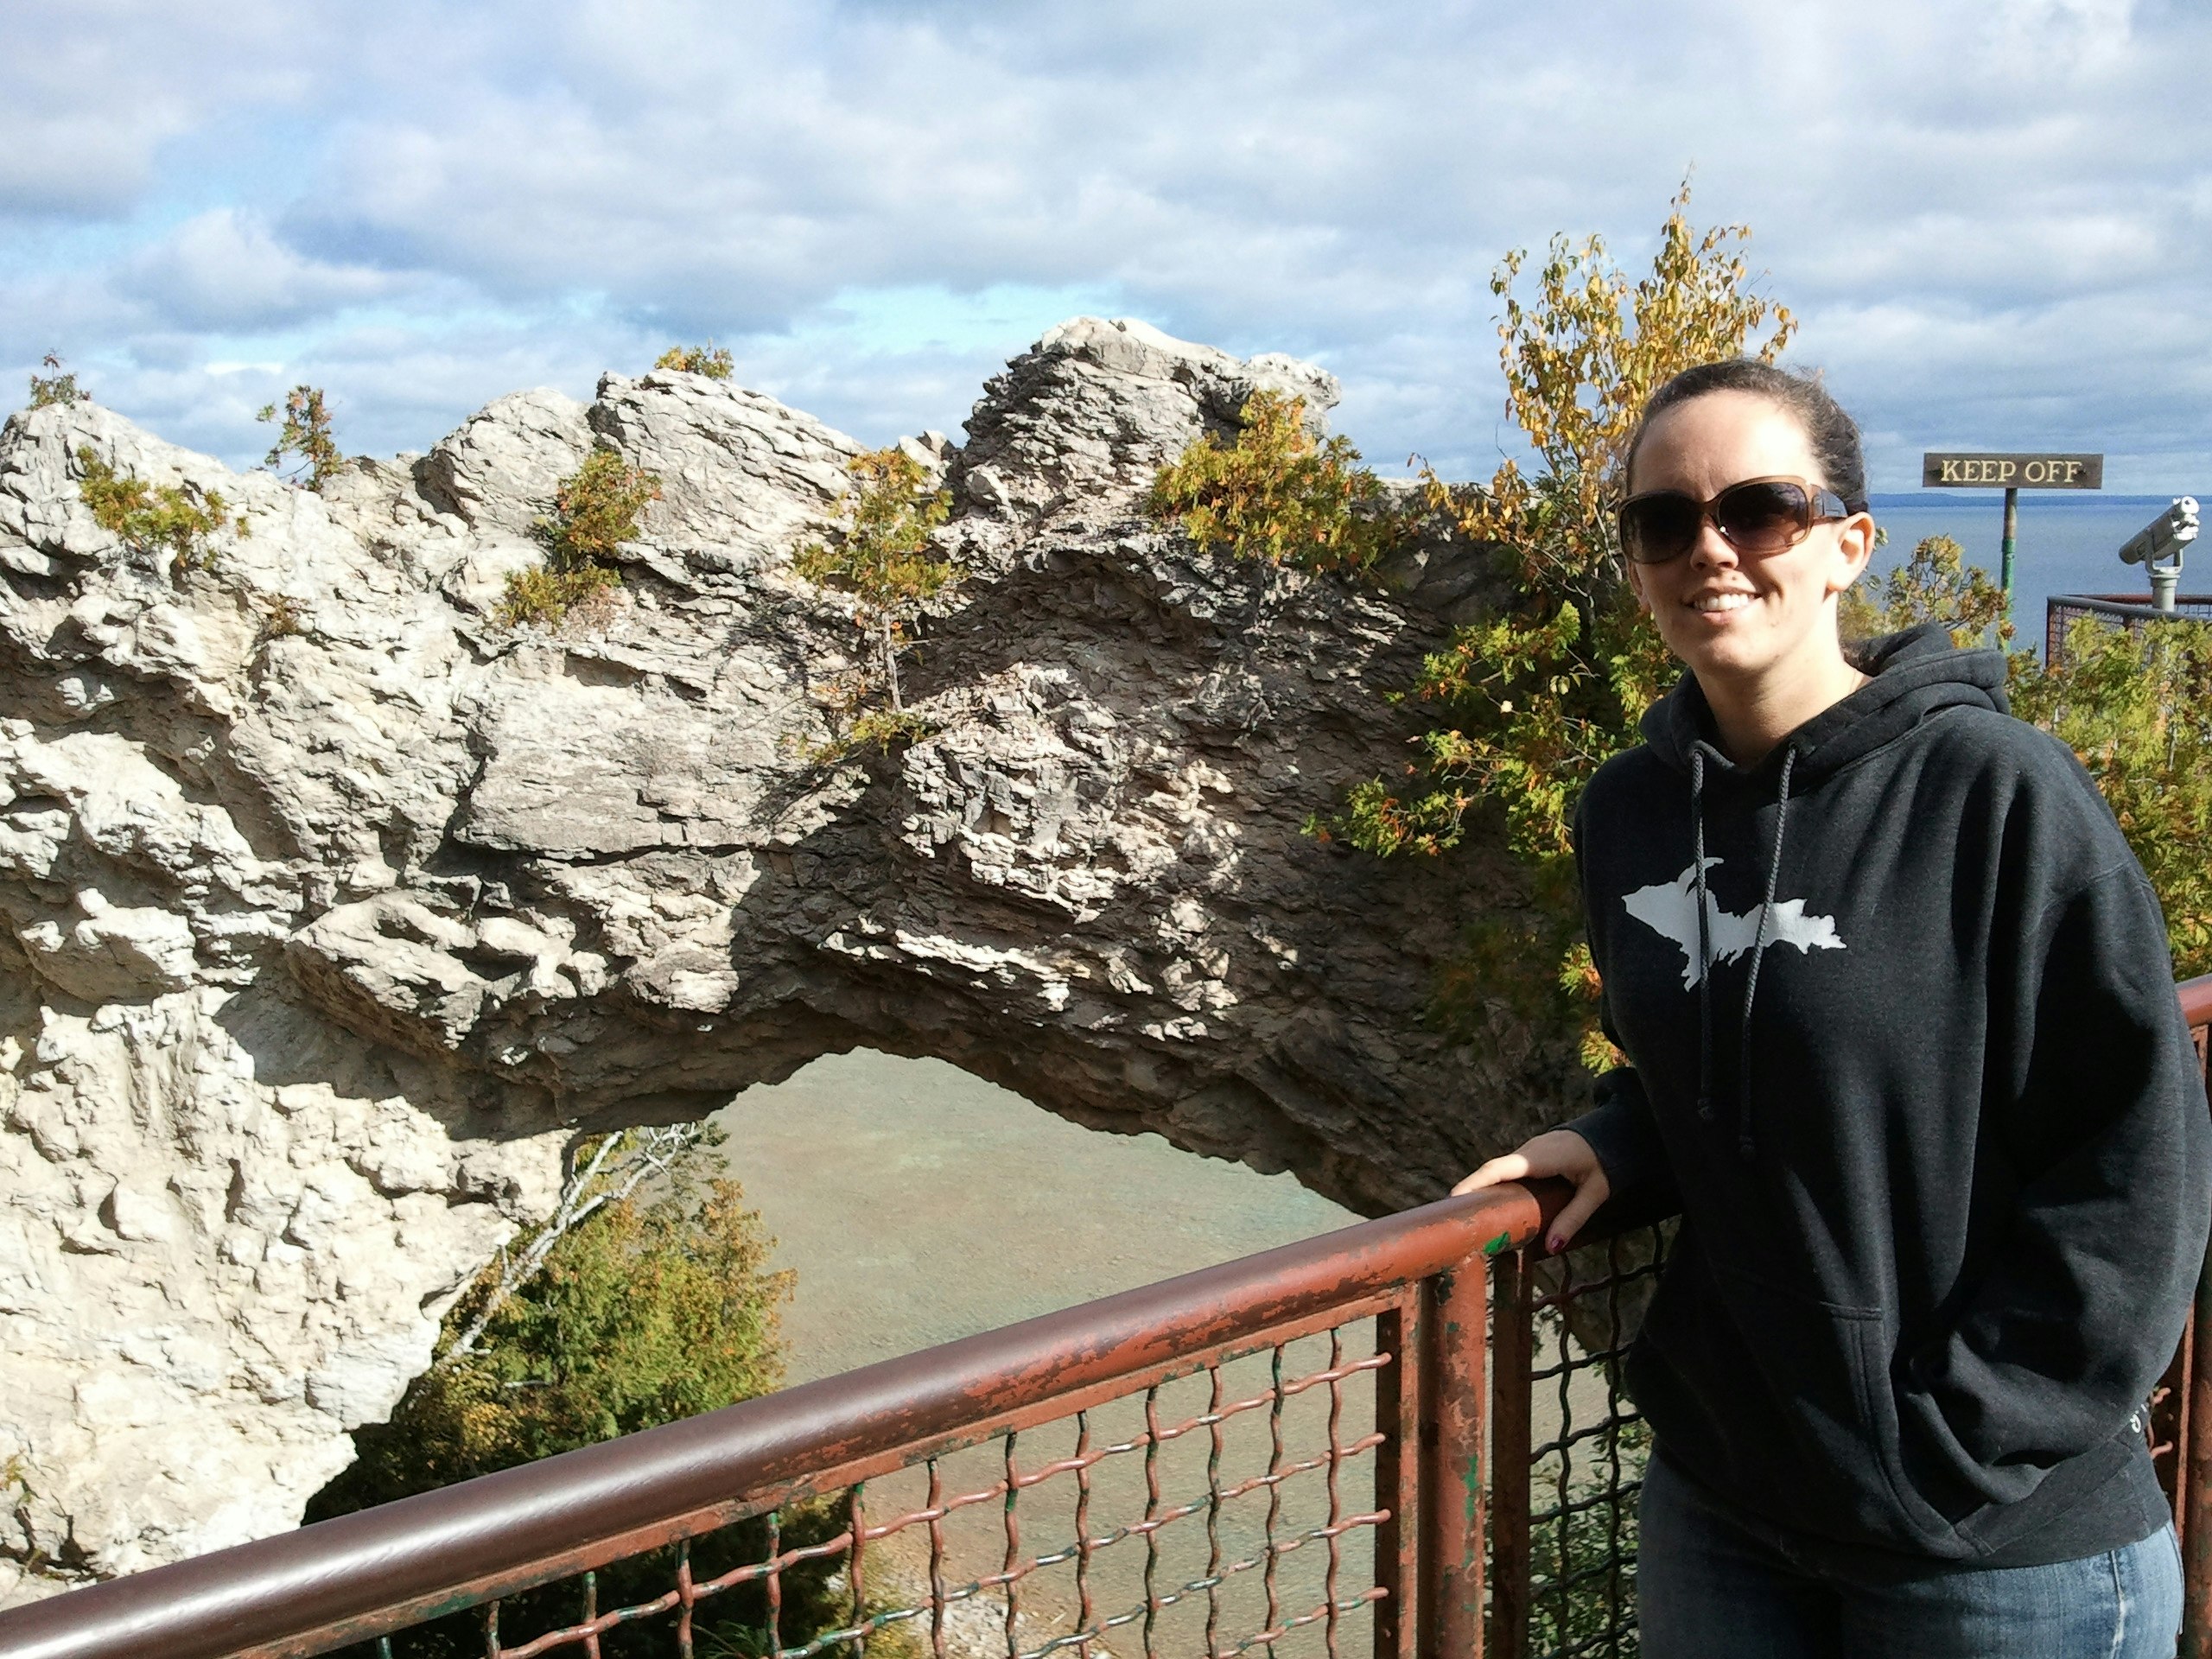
(1714, 1583)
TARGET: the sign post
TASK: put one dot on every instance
(2012, 474)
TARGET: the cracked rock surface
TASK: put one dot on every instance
(331, 910)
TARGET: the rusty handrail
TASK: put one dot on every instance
(586, 1507)
(2196, 1000)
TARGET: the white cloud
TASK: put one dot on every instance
(91, 91)
(222, 271)
(1995, 218)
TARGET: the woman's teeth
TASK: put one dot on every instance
(1720, 601)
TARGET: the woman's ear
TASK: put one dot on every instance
(1635, 584)
(1854, 545)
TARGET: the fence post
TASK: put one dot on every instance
(2193, 1469)
(1515, 1343)
(1402, 1332)
(2193, 1449)
(1451, 1487)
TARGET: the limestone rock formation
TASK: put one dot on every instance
(333, 910)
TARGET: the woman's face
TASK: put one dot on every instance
(1726, 614)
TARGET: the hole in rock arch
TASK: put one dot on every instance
(919, 1203)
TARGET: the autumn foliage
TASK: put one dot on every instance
(1278, 494)
(1529, 703)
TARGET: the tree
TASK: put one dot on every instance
(305, 433)
(1531, 702)
(882, 556)
(613, 1316)
(617, 1315)
(607, 1171)
(1277, 495)
(56, 387)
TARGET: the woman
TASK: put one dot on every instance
(1904, 1054)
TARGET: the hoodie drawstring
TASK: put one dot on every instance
(1746, 1142)
(1704, 937)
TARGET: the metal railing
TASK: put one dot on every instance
(1280, 1391)
(1285, 1453)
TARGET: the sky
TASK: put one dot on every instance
(1993, 220)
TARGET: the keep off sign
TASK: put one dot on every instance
(2012, 472)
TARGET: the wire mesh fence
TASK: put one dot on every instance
(1587, 1471)
(1226, 1512)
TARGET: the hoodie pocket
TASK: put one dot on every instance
(1820, 1428)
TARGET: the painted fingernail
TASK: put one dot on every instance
(1555, 1244)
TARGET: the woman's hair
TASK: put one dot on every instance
(1833, 434)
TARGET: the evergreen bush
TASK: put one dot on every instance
(305, 432)
(56, 387)
(709, 359)
(595, 510)
(165, 519)
(881, 554)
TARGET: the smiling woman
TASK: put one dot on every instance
(1905, 1062)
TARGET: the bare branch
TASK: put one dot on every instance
(644, 1153)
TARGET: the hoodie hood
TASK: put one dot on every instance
(1915, 674)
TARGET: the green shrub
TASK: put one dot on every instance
(595, 510)
(1277, 494)
(179, 521)
(1582, 1560)
(55, 387)
(1937, 583)
(881, 556)
(2136, 706)
(709, 359)
(543, 597)
(641, 1314)
(305, 433)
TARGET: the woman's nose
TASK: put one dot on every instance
(1711, 548)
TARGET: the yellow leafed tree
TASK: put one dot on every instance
(1529, 703)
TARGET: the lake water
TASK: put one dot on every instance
(920, 1204)
(2068, 541)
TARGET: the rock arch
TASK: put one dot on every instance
(334, 909)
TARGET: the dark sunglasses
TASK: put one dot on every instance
(1758, 517)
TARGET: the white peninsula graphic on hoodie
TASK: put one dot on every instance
(1670, 910)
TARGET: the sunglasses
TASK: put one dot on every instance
(1758, 517)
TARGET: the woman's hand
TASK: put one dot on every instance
(1561, 1152)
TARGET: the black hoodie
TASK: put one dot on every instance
(1919, 1086)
